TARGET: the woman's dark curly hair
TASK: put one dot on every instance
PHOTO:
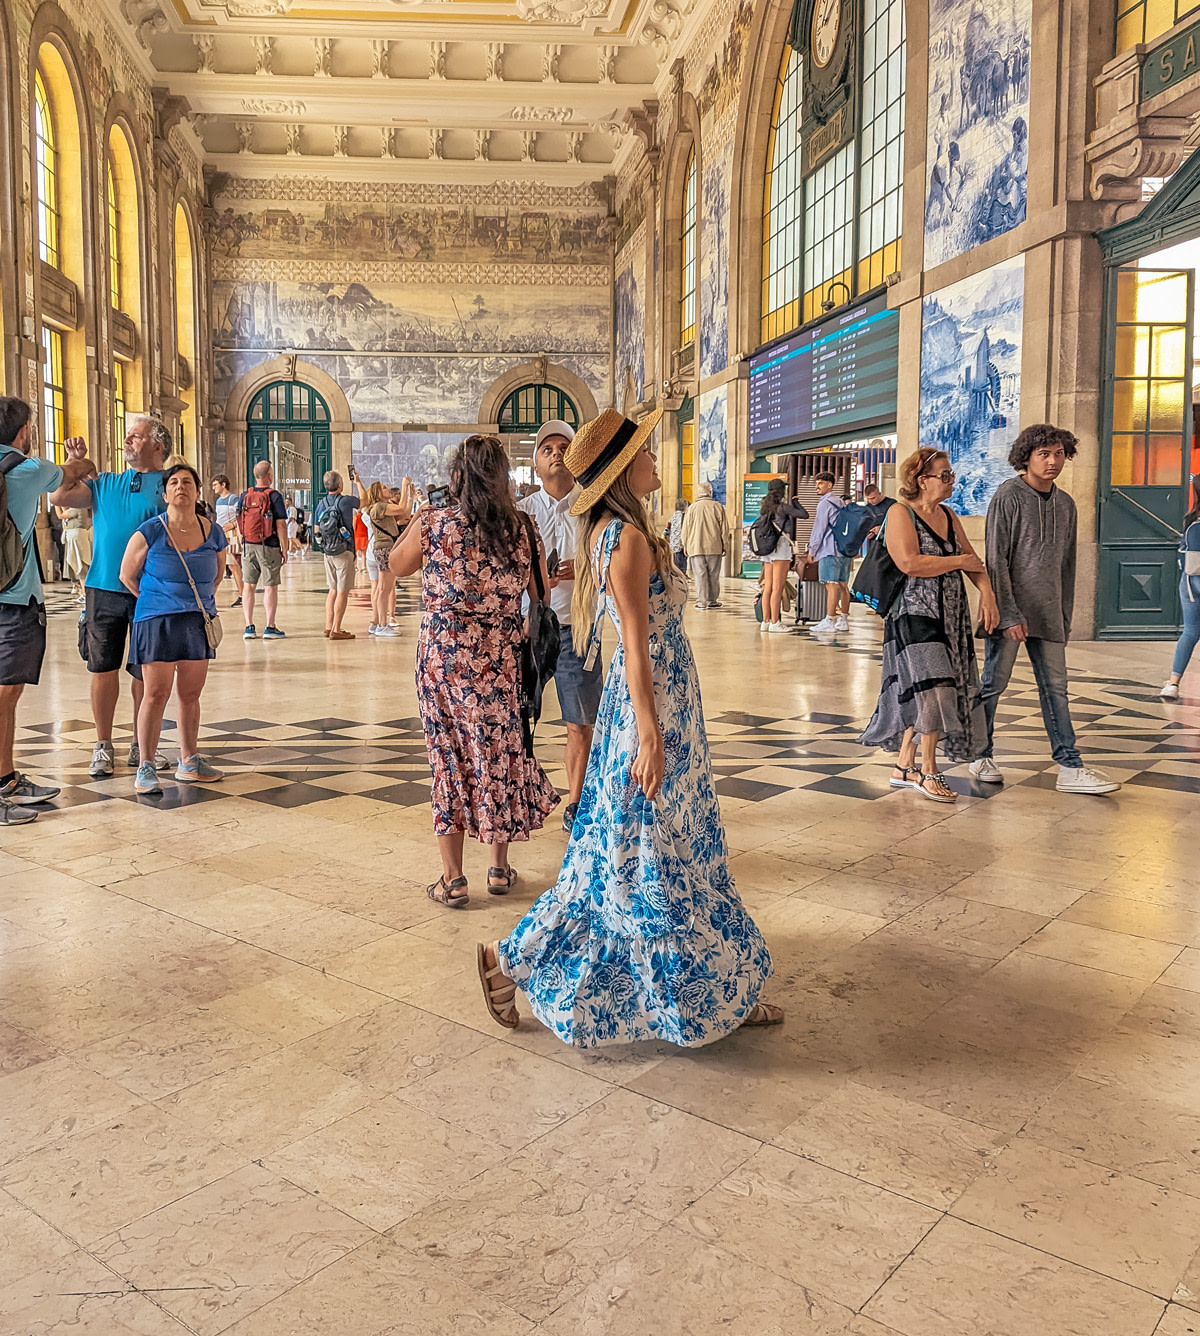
(1035, 438)
(479, 482)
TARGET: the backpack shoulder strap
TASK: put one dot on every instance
(535, 556)
(12, 459)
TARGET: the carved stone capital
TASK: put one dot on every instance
(169, 110)
(643, 122)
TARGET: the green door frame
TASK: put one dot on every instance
(304, 411)
(1136, 593)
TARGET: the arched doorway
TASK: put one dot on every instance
(289, 424)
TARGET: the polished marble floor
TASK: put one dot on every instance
(247, 1083)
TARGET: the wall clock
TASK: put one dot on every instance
(823, 36)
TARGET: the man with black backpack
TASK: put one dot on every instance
(333, 536)
(262, 523)
(24, 480)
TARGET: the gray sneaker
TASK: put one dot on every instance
(135, 758)
(197, 770)
(146, 782)
(12, 815)
(103, 760)
(24, 790)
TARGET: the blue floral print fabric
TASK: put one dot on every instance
(643, 936)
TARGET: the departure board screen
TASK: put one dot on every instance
(838, 376)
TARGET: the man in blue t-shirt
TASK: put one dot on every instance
(119, 503)
(22, 603)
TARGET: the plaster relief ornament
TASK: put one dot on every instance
(380, 52)
(245, 134)
(293, 139)
(559, 115)
(575, 146)
(205, 49)
(146, 19)
(528, 143)
(561, 11)
(273, 106)
(437, 60)
(341, 141)
(262, 54)
(608, 64)
(550, 56)
(323, 57)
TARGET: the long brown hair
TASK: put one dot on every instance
(1194, 514)
(619, 502)
(480, 487)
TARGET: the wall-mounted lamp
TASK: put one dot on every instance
(828, 303)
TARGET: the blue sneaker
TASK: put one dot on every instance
(196, 770)
(274, 633)
(249, 633)
(146, 782)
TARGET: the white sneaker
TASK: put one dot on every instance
(763, 627)
(778, 628)
(372, 629)
(386, 633)
(1084, 779)
(842, 623)
(826, 624)
(986, 771)
(1170, 691)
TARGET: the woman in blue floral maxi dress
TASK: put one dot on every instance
(643, 936)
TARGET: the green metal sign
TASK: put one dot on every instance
(1172, 63)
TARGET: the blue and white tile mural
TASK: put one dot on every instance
(629, 319)
(714, 261)
(392, 456)
(414, 299)
(971, 378)
(978, 130)
(711, 440)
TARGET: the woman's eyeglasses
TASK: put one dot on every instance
(946, 475)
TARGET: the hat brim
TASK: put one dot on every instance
(591, 494)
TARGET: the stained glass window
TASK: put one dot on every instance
(54, 395)
(881, 145)
(114, 242)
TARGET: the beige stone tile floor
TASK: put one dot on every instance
(247, 1083)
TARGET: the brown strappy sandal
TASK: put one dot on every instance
(764, 1013)
(501, 998)
(934, 787)
(507, 874)
(442, 893)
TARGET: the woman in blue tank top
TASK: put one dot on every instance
(174, 563)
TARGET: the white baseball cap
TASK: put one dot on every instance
(555, 427)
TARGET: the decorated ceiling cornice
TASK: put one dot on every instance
(477, 90)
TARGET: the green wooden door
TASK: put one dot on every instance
(322, 461)
(1143, 484)
(257, 448)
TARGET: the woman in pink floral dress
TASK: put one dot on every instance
(475, 562)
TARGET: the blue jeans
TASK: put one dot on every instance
(1191, 626)
(1049, 660)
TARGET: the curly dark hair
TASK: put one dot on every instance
(1035, 437)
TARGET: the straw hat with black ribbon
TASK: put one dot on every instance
(602, 450)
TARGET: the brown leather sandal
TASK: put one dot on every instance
(500, 998)
(763, 1013)
(442, 892)
(505, 878)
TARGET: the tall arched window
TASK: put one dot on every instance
(114, 239)
(783, 209)
(687, 253)
(45, 172)
(831, 229)
(185, 335)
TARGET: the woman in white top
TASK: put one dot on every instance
(779, 512)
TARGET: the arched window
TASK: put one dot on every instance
(831, 230)
(687, 254)
(114, 239)
(185, 335)
(783, 207)
(527, 408)
(45, 172)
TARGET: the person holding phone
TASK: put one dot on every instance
(578, 685)
(644, 936)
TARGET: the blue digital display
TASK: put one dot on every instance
(836, 377)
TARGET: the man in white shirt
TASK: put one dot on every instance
(578, 687)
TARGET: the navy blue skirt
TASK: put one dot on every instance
(169, 639)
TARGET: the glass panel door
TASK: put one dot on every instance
(1144, 475)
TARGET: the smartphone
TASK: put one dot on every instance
(552, 563)
(439, 496)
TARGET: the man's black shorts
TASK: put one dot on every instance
(22, 643)
(104, 632)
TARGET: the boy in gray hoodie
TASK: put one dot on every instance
(1031, 527)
